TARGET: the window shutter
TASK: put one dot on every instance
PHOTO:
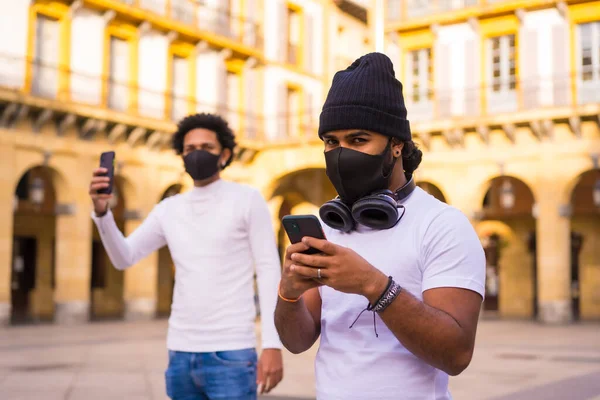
(309, 46)
(560, 61)
(472, 78)
(529, 76)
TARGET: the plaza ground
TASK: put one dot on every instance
(514, 360)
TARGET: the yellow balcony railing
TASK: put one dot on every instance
(195, 15)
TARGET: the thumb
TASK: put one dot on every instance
(260, 378)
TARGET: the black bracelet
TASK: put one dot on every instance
(371, 307)
(388, 298)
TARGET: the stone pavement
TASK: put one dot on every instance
(126, 360)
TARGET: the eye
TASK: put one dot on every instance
(330, 142)
(359, 140)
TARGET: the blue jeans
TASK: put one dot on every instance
(218, 375)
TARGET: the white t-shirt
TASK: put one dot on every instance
(434, 245)
(218, 236)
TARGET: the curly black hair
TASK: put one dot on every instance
(208, 121)
(411, 156)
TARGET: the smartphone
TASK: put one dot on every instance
(299, 226)
(107, 160)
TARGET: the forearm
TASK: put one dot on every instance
(114, 242)
(431, 334)
(267, 280)
(295, 325)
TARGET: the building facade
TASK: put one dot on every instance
(81, 77)
(504, 97)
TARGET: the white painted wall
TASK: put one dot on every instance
(152, 81)
(87, 47)
(13, 45)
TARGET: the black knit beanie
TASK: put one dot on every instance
(366, 95)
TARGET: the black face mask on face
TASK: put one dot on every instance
(362, 182)
(355, 174)
(201, 164)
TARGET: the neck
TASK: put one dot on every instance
(398, 180)
(207, 181)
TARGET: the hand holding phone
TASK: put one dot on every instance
(101, 186)
(299, 226)
(107, 161)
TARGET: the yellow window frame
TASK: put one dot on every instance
(186, 51)
(414, 41)
(491, 28)
(579, 14)
(59, 12)
(296, 8)
(128, 33)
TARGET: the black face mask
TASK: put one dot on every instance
(355, 174)
(201, 164)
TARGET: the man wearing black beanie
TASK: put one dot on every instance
(392, 250)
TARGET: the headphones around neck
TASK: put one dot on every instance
(379, 210)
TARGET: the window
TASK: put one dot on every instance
(393, 10)
(46, 56)
(588, 60)
(503, 66)
(418, 8)
(419, 76)
(179, 88)
(501, 75)
(183, 10)
(294, 33)
(118, 74)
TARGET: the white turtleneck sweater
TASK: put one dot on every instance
(218, 235)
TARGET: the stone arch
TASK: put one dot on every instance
(276, 180)
(58, 178)
(432, 189)
(166, 268)
(305, 186)
(33, 272)
(506, 210)
(522, 191)
(585, 245)
(523, 186)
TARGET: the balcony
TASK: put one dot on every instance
(191, 19)
(402, 10)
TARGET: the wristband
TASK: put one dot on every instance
(283, 298)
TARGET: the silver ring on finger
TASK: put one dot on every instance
(318, 273)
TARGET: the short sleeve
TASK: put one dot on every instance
(452, 254)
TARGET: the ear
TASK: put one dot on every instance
(225, 156)
(397, 147)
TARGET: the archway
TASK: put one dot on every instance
(107, 283)
(34, 235)
(585, 246)
(507, 232)
(309, 186)
(432, 190)
(166, 269)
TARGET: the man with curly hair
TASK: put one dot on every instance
(218, 234)
(392, 250)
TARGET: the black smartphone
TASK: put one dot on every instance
(299, 226)
(107, 160)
